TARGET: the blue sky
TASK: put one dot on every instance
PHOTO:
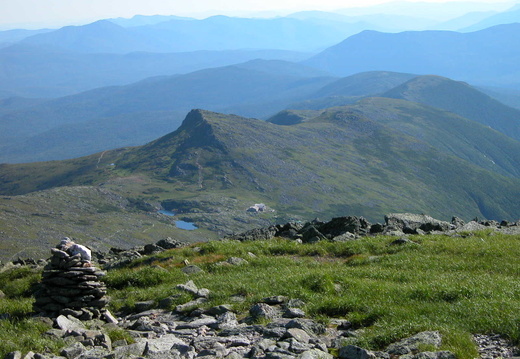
(55, 13)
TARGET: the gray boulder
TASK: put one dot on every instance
(264, 311)
(236, 261)
(434, 355)
(128, 351)
(70, 324)
(257, 234)
(342, 225)
(410, 223)
(188, 287)
(471, 226)
(299, 334)
(169, 243)
(310, 326)
(152, 249)
(311, 234)
(275, 299)
(162, 344)
(412, 343)
(73, 351)
(293, 313)
(401, 241)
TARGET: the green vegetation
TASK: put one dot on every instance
(377, 157)
(19, 331)
(462, 99)
(457, 285)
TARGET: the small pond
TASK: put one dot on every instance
(180, 224)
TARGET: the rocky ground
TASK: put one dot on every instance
(190, 332)
(275, 328)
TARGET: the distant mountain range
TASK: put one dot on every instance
(131, 115)
(36, 71)
(430, 10)
(510, 16)
(487, 57)
(52, 63)
(216, 33)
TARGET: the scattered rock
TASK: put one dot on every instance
(412, 343)
(275, 299)
(191, 269)
(235, 261)
(70, 324)
(354, 352)
(255, 234)
(143, 306)
(492, 346)
(73, 351)
(410, 223)
(191, 331)
(169, 243)
(264, 311)
(14, 355)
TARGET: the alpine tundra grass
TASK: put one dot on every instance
(459, 285)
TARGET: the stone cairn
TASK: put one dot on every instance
(71, 284)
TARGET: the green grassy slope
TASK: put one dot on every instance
(97, 216)
(447, 132)
(340, 162)
(462, 99)
(348, 90)
(364, 83)
(215, 166)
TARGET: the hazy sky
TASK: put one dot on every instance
(53, 13)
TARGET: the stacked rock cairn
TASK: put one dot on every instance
(71, 284)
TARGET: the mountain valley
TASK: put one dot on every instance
(105, 124)
(214, 167)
